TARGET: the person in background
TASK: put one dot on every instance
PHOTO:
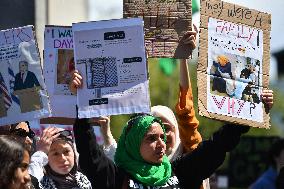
(276, 160)
(14, 162)
(40, 159)
(55, 165)
(22, 133)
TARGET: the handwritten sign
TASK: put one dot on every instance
(110, 55)
(233, 63)
(58, 67)
(23, 94)
(165, 23)
(236, 14)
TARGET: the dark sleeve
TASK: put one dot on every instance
(230, 70)
(17, 83)
(202, 162)
(35, 80)
(215, 64)
(34, 182)
(280, 179)
(101, 171)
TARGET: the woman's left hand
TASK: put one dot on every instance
(189, 38)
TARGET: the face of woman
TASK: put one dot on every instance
(61, 157)
(171, 135)
(22, 177)
(27, 140)
(153, 147)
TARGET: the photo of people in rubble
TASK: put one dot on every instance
(236, 77)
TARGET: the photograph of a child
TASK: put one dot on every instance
(65, 66)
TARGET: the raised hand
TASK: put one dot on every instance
(267, 98)
(77, 82)
(47, 136)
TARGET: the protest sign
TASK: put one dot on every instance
(58, 67)
(233, 67)
(110, 56)
(166, 21)
(23, 94)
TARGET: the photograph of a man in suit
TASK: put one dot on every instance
(25, 78)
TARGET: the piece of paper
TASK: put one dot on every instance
(110, 56)
(23, 94)
(165, 21)
(58, 66)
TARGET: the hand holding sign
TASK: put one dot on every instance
(76, 82)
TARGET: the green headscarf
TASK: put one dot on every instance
(128, 155)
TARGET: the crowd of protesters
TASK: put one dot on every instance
(155, 150)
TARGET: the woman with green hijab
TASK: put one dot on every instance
(141, 151)
(140, 160)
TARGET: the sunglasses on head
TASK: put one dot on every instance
(66, 134)
(23, 133)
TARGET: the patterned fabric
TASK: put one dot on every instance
(106, 72)
(3, 90)
(82, 182)
(172, 183)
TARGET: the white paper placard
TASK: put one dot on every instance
(234, 88)
(110, 56)
(58, 65)
(23, 94)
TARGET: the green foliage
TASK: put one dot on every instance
(117, 124)
(163, 88)
(195, 6)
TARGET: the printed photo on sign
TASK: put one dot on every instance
(22, 90)
(101, 72)
(236, 77)
(58, 67)
(110, 56)
(65, 67)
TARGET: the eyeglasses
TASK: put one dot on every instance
(22, 133)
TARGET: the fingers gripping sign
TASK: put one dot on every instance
(77, 82)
